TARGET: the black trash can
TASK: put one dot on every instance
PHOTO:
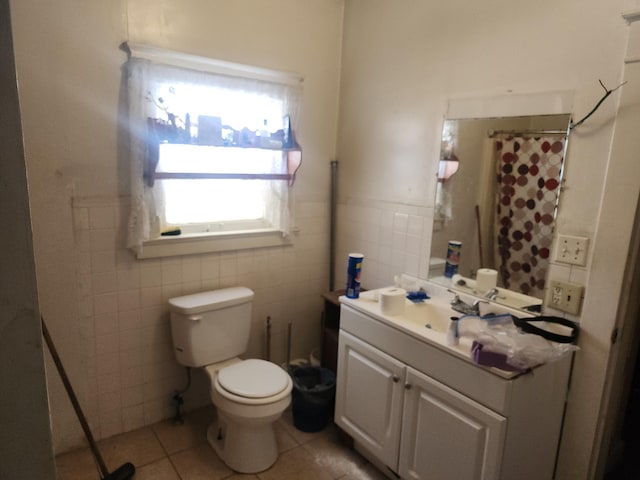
(313, 397)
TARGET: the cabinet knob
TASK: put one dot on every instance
(407, 386)
(395, 379)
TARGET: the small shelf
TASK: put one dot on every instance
(292, 159)
(222, 176)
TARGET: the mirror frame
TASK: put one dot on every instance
(503, 107)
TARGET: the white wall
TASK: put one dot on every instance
(107, 310)
(401, 63)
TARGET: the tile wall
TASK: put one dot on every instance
(129, 367)
(394, 238)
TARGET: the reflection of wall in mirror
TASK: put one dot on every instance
(473, 185)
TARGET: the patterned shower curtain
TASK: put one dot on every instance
(528, 176)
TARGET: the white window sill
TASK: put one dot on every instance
(195, 243)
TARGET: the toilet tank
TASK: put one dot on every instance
(210, 327)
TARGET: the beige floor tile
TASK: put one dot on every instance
(294, 464)
(200, 463)
(303, 456)
(301, 437)
(286, 441)
(310, 473)
(367, 472)
(139, 447)
(159, 470)
(176, 437)
(76, 465)
(331, 455)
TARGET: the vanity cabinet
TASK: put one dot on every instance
(423, 413)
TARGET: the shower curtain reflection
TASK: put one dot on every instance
(529, 172)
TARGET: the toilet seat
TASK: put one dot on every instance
(253, 378)
(252, 382)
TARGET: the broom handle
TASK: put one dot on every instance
(74, 400)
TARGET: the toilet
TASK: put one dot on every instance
(210, 330)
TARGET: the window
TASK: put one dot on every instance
(213, 151)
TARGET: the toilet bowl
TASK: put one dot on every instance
(211, 330)
(249, 396)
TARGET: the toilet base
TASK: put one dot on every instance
(243, 448)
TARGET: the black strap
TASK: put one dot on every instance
(526, 325)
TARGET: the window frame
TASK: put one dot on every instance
(217, 241)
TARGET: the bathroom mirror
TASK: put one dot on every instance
(499, 182)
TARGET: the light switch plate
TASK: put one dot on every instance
(565, 296)
(572, 250)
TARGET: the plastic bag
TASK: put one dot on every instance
(498, 334)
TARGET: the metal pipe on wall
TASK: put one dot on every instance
(332, 224)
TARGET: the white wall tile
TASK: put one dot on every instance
(210, 268)
(400, 222)
(130, 339)
(191, 287)
(80, 218)
(83, 241)
(132, 377)
(103, 261)
(228, 265)
(105, 323)
(191, 271)
(133, 357)
(151, 275)
(101, 240)
(128, 279)
(150, 297)
(109, 383)
(171, 273)
(85, 306)
(132, 361)
(133, 416)
(104, 282)
(105, 303)
(132, 396)
(413, 244)
(102, 217)
(128, 320)
(129, 300)
(107, 363)
(83, 262)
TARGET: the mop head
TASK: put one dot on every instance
(125, 472)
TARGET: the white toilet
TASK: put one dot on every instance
(210, 329)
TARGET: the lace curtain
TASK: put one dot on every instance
(165, 96)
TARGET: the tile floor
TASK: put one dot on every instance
(166, 451)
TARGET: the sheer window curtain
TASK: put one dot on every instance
(156, 90)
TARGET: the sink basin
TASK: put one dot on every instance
(428, 315)
(428, 320)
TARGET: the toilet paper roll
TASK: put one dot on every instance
(392, 301)
(486, 279)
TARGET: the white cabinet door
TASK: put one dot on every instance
(446, 435)
(369, 393)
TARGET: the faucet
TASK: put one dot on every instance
(492, 294)
(463, 307)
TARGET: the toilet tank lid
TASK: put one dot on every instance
(211, 300)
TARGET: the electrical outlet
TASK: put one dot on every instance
(565, 296)
(572, 250)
